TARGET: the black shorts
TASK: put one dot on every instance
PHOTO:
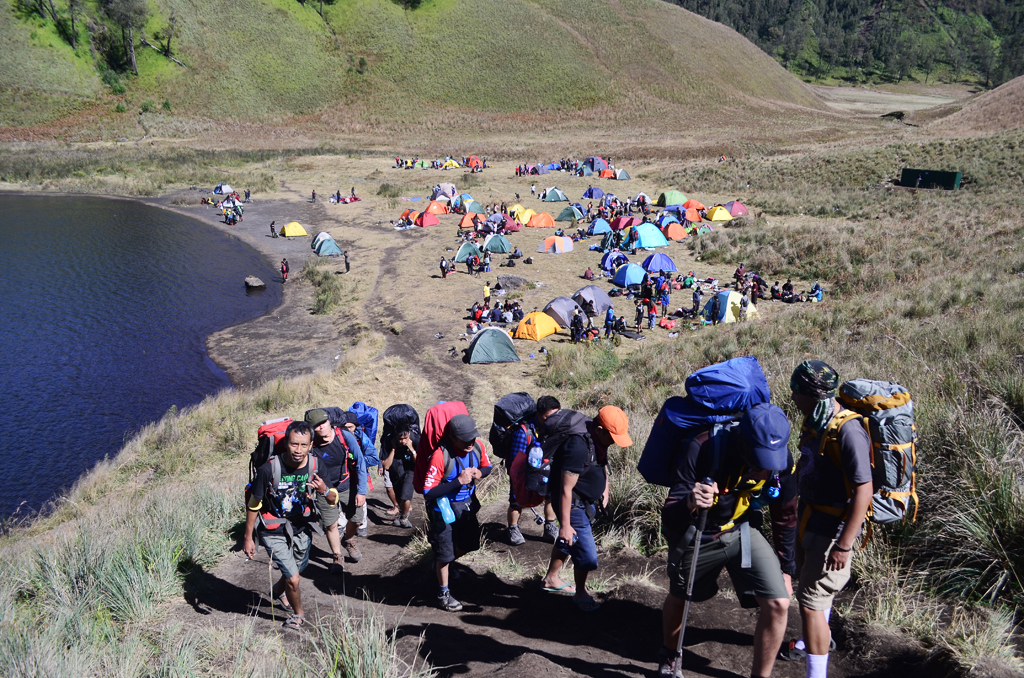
(401, 480)
(462, 536)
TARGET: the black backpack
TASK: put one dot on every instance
(398, 418)
(510, 412)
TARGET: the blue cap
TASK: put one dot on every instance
(766, 429)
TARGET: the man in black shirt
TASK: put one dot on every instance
(280, 512)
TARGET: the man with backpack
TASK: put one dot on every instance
(716, 310)
(281, 511)
(748, 466)
(449, 489)
(398, 444)
(836, 491)
(369, 450)
(578, 449)
(341, 458)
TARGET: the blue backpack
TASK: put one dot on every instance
(716, 394)
(367, 419)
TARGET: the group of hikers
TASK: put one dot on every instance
(722, 451)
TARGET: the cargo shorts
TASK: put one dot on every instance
(819, 586)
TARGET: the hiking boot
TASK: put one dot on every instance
(354, 554)
(550, 531)
(447, 603)
(361, 532)
(667, 664)
(515, 535)
(401, 521)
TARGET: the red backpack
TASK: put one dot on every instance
(434, 423)
(269, 436)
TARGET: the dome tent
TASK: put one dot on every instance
(467, 250)
(602, 302)
(555, 244)
(729, 312)
(491, 345)
(593, 193)
(321, 236)
(498, 244)
(328, 248)
(561, 310)
(599, 226)
(669, 198)
(535, 326)
(629, 274)
(293, 230)
(611, 261)
(555, 194)
(569, 213)
(659, 262)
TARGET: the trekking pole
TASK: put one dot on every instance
(537, 517)
(702, 519)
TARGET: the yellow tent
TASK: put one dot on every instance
(525, 216)
(718, 213)
(515, 210)
(536, 326)
(293, 229)
(450, 164)
(729, 304)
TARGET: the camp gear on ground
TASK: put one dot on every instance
(510, 413)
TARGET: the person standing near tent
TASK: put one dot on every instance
(273, 232)
(744, 305)
(487, 293)
(652, 313)
(487, 262)
(609, 322)
(348, 266)
(639, 320)
(444, 268)
(716, 310)
(533, 190)
(698, 295)
(284, 271)
(664, 300)
(755, 291)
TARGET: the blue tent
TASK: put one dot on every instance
(578, 206)
(553, 166)
(630, 274)
(612, 260)
(596, 163)
(659, 262)
(593, 193)
(599, 226)
(667, 218)
(676, 208)
(648, 235)
(464, 198)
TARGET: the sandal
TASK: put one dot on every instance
(587, 604)
(282, 600)
(295, 622)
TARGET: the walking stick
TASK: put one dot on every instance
(702, 519)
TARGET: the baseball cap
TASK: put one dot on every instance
(316, 417)
(463, 427)
(766, 429)
(615, 421)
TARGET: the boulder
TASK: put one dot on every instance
(253, 283)
(511, 282)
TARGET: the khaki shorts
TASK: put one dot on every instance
(819, 586)
(328, 514)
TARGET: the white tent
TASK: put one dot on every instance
(223, 189)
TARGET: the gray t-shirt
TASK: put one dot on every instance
(822, 482)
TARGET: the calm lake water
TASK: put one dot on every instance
(105, 308)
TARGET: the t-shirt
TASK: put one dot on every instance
(333, 463)
(574, 456)
(436, 476)
(290, 499)
(821, 482)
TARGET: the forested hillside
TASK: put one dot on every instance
(882, 40)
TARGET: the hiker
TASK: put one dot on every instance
(455, 490)
(775, 292)
(273, 232)
(533, 190)
(284, 271)
(609, 322)
(487, 293)
(747, 464)
(739, 274)
(400, 463)
(787, 291)
(834, 500)
(716, 310)
(578, 449)
(353, 194)
(576, 326)
(639, 315)
(444, 268)
(281, 516)
(487, 262)
(652, 313)
(816, 294)
(248, 195)
(348, 267)
(755, 291)
(744, 305)
(698, 294)
(369, 450)
(469, 264)
(524, 435)
(314, 195)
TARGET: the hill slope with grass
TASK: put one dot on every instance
(996, 111)
(373, 59)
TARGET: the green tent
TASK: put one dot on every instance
(475, 208)
(328, 248)
(669, 198)
(467, 250)
(491, 345)
(498, 244)
(570, 213)
(421, 164)
(555, 194)
(623, 175)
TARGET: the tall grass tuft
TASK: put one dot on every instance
(327, 286)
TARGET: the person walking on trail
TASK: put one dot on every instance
(533, 190)
(273, 232)
(281, 515)
(834, 500)
(746, 465)
(716, 310)
(314, 195)
(639, 320)
(578, 449)
(465, 456)
(348, 266)
(284, 271)
(399, 460)
(521, 441)
(331, 446)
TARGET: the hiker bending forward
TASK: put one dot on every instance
(753, 463)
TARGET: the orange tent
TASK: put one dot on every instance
(542, 220)
(691, 214)
(693, 204)
(674, 231)
(607, 174)
(427, 219)
(469, 220)
(436, 207)
(474, 162)
(413, 214)
(407, 213)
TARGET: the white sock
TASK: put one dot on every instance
(828, 614)
(817, 666)
(800, 645)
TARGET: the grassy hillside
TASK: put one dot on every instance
(995, 111)
(372, 59)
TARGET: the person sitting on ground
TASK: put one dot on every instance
(739, 274)
(788, 287)
(776, 292)
(517, 313)
(688, 281)
(816, 294)
(288, 506)
(620, 324)
(588, 274)
(459, 461)
(496, 314)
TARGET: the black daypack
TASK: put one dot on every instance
(398, 418)
(558, 429)
(510, 412)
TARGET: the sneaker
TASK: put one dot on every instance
(361, 532)
(667, 664)
(550, 531)
(354, 554)
(401, 521)
(791, 653)
(515, 535)
(447, 603)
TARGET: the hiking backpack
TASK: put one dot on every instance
(716, 394)
(367, 417)
(510, 413)
(886, 411)
(434, 423)
(529, 483)
(396, 418)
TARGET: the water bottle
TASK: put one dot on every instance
(445, 507)
(536, 458)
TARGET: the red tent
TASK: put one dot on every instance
(427, 219)
(619, 223)
(474, 162)
(736, 208)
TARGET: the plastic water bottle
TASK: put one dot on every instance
(536, 456)
(445, 507)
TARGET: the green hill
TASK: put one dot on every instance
(371, 59)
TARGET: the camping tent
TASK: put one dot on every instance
(474, 207)
(648, 235)
(667, 218)
(730, 307)
(524, 216)
(542, 220)
(659, 262)
(555, 244)
(469, 220)
(622, 175)
(553, 166)
(497, 219)
(717, 213)
(450, 163)
(473, 161)
(606, 174)
(460, 200)
(693, 204)
(596, 163)
(223, 189)
(560, 309)
(671, 198)
(619, 223)
(498, 244)
(447, 190)
(322, 235)
(436, 207)
(593, 193)
(599, 226)
(586, 171)
(704, 229)
(293, 229)
(328, 248)
(736, 208)
(491, 345)
(569, 213)
(537, 169)
(612, 260)
(555, 194)
(515, 210)
(691, 215)
(642, 197)
(674, 231)
(629, 274)
(536, 326)
(466, 250)
(602, 302)
(421, 164)
(426, 219)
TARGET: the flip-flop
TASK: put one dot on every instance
(295, 622)
(587, 605)
(560, 589)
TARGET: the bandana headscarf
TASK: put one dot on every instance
(816, 379)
